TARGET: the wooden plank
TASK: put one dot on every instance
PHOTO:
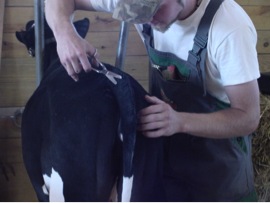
(10, 122)
(17, 17)
(263, 44)
(2, 11)
(25, 3)
(254, 2)
(242, 2)
(10, 156)
(264, 60)
(15, 185)
(8, 128)
(106, 42)
(260, 16)
(17, 82)
(20, 3)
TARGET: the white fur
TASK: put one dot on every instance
(54, 186)
(127, 188)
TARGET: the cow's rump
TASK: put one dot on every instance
(79, 138)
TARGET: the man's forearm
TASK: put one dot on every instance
(59, 15)
(221, 124)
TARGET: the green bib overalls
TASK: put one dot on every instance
(198, 169)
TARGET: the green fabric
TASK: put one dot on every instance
(163, 60)
(251, 197)
(240, 141)
(222, 105)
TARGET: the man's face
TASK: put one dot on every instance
(166, 15)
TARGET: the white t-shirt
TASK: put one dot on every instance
(231, 51)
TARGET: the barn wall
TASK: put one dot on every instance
(17, 76)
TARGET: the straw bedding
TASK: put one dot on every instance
(261, 152)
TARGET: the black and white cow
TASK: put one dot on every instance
(79, 138)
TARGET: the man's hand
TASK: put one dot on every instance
(158, 119)
(73, 52)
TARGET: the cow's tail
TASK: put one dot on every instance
(125, 97)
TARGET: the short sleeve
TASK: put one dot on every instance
(236, 57)
(104, 5)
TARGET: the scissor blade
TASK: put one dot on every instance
(111, 75)
(111, 78)
(115, 75)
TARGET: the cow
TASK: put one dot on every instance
(79, 139)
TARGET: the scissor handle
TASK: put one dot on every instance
(101, 68)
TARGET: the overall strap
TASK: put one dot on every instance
(197, 55)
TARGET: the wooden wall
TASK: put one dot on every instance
(17, 77)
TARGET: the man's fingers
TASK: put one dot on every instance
(153, 109)
(151, 117)
(153, 100)
(71, 71)
(85, 64)
(93, 55)
(80, 62)
(77, 67)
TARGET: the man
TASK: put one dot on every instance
(205, 101)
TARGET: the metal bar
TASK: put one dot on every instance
(122, 45)
(2, 11)
(39, 38)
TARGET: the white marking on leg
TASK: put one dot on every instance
(46, 186)
(57, 188)
(127, 188)
(45, 190)
(54, 186)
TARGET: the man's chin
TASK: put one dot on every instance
(160, 28)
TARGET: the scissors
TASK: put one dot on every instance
(100, 68)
